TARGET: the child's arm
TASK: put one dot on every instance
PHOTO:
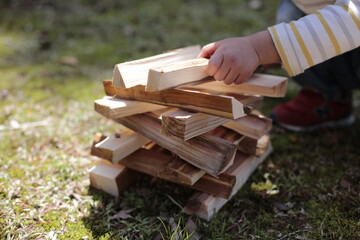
(300, 44)
(234, 60)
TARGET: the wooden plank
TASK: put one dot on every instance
(181, 172)
(209, 153)
(112, 179)
(245, 144)
(258, 84)
(133, 73)
(252, 146)
(112, 107)
(172, 75)
(186, 125)
(117, 146)
(163, 164)
(225, 106)
(205, 205)
(253, 125)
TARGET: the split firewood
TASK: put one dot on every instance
(225, 106)
(133, 73)
(112, 107)
(204, 205)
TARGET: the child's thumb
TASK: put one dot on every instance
(208, 50)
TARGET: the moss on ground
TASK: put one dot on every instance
(307, 189)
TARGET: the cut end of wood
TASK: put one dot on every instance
(117, 78)
(238, 109)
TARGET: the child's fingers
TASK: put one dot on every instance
(208, 50)
(231, 77)
(214, 64)
(224, 69)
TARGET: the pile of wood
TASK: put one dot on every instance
(181, 125)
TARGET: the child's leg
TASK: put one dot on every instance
(335, 78)
(330, 104)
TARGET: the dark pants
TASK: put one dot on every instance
(334, 78)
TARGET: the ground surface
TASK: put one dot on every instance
(53, 55)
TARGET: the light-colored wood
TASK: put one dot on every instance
(120, 145)
(254, 146)
(112, 179)
(207, 152)
(253, 125)
(204, 205)
(258, 84)
(181, 172)
(225, 106)
(155, 161)
(112, 107)
(133, 73)
(186, 125)
(176, 74)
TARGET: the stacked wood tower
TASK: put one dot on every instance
(178, 124)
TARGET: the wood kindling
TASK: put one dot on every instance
(253, 125)
(112, 107)
(172, 75)
(186, 125)
(204, 205)
(112, 179)
(207, 152)
(165, 166)
(225, 106)
(119, 145)
(259, 84)
(133, 73)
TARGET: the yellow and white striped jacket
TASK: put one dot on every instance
(317, 37)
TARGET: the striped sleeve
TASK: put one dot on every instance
(318, 37)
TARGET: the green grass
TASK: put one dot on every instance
(307, 189)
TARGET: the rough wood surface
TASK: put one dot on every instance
(119, 145)
(136, 72)
(112, 107)
(181, 172)
(112, 179)
(225, 106)
(165, 166)
(204, 205)
(207, 152)
(258, 84)
(176, 74)
(186, 125)
(253, 125)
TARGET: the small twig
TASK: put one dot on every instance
(176, 203)
(24, 125)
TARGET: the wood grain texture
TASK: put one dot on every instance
(172, 75)
(181, 172)
(225, 106)
(253, 125)
(207, 152)
(204, 205)
(112, 107)
(186, 125)
(133, 73)
(112, 179)
(117, 146)
(258, 84)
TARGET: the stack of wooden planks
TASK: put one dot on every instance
(181, 125)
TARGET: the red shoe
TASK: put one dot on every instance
(310, 111)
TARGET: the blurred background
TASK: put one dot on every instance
(53, 56)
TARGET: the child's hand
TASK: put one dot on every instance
(234, 60)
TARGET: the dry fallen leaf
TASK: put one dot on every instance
(123, 214)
